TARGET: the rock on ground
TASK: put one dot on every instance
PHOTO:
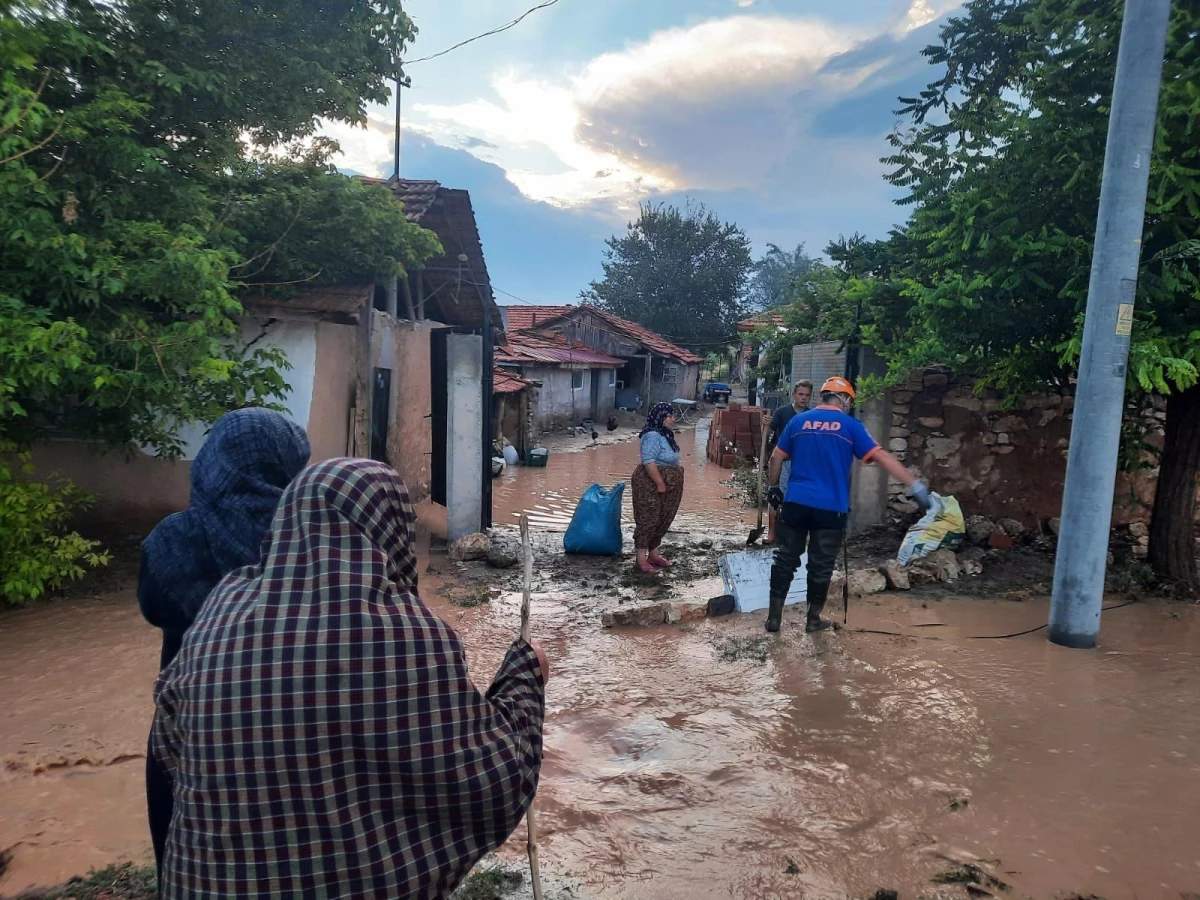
(471, 548)
(1012, 527)
(645, 616)
(971, 560)
(979, 529)
(501, 556)
(940, 566)
(896, 576)
(867, 581)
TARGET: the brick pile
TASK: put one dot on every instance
(736, 433)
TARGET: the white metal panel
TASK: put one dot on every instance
(747, 576)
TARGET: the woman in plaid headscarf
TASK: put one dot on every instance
(237, 478)
(319, 726)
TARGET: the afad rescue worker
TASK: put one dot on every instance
(821, 445)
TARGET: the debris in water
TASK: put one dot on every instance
(489, 884)
(971, 876)
(736, 648)
(958, 804)
(469, 598)
(883, 894)
(792, 868)
(721, 606)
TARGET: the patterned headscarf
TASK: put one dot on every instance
(320, 729)
(236, 480)
(657, 421)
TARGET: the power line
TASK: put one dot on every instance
(513, 24)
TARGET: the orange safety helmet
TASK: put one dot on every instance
(838, 385)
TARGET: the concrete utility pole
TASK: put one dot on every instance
(1080, 566)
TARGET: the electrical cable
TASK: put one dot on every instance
(979, 637)
(513, 24)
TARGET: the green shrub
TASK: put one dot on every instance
(38, 551)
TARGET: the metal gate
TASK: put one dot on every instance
(381, 410)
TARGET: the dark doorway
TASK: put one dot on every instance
(381, 408)
(597, 375)
(438, 414)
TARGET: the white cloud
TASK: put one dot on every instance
(726, 104)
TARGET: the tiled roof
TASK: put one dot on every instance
(417, 196)
(756, 322)
(553, 349)
(524, 317)
(507, 383)
(656, 342)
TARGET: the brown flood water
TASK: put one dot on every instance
(672, 773)
(550, 494)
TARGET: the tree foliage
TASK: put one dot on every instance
(856, 299)
(773, 275)
(1002, 163)
(681, 273)
(157, 160)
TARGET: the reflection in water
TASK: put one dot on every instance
(827, 771)
(551, 494)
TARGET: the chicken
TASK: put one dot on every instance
(612, 423)
(595, 436)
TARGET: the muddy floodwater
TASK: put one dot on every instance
(705, 761)
(550, 494)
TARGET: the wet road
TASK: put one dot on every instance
(673, 772)
(550, 494)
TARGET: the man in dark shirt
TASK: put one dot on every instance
(801, 395)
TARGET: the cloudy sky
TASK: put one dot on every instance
(772, 112)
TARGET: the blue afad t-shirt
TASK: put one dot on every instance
(822, 445)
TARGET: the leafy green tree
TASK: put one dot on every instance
(679, 272)
(158, 159)
(1003, 162)
(773, 275)
(858, 299)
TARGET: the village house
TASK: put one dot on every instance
(652, 368)
(571, 383)
(401, 372)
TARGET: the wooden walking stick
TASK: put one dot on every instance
(535, 871)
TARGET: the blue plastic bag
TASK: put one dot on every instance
(596, 526)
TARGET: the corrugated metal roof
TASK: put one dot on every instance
(529, 346)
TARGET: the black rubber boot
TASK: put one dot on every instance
(816, 602)
(775, 614)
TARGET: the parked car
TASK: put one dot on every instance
(717, 392)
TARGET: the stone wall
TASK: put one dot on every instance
(998, 462)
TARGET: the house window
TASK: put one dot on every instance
(670, 374)
(577, 380)
(612, 378)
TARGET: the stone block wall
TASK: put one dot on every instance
(1001, 463)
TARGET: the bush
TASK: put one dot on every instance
(38, 552)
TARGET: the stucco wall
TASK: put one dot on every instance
(134, 489)
(554, 400)
(684, 385)
(332, 391)
(404, 347)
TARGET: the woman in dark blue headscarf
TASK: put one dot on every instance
(237, 478)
